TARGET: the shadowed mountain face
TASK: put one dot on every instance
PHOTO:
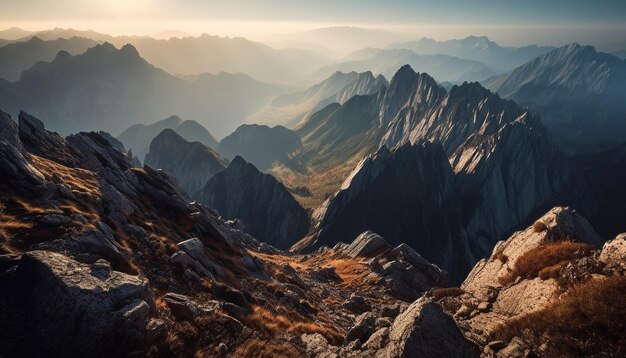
(104, 87)
(191, 163)
(408, 195)
(138, 137)
(386, 63)
(579, 93)
(264, 206)
(292, 109)
(477, 48)
(260, 145)
(20, 56)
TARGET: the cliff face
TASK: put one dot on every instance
(191, 163)
(419, 182)
(264, 206)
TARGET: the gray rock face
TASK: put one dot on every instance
(424, 330)
(191, 163)
(613, 253)
(74, 309)
(367, 244)
(266, 208)
(9, 131)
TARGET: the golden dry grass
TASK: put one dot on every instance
(545, 261)
(256, 348)
(589, 321)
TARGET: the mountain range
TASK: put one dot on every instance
(477, 48)
(105, 88)
(579, 93)
(292, 108)
(387, 61)
(19, 56)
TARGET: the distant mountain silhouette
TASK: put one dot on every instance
(386, 62)
(139, 136)
(292, 108)
(477, 48)
(106, 88)
(19, 56)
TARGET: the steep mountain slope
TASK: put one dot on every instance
(103, 87)
(260, 145)
(386, 63)
(412, 178)
(620, 54)
(477, 48)
(191, 163)
(291, 109)
(264, 206)
(138, 137)
(580, 93)
(19, 56)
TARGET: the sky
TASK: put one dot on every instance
(513, 22)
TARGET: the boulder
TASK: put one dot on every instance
(363, 327)
(613, 253)
(367, 244)
(424, 330)
(357, 304)
(61, 307)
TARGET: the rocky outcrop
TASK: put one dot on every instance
(401, 270)
(138, 137)
(191, 163)
(424, 330)
(69, 308)
(264, 206)
(613, 253)
(260, 145)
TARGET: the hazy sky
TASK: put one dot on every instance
(600, 22)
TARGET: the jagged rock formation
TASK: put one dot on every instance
(138, 137)
(578, 92)
(260, 145)
(264, 206)
(292, 109)
(413, 178)
(103, 87)
(191, 163)
(401, 270)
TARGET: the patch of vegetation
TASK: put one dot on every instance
(539, 226)
(547, 260)
(589, 321)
